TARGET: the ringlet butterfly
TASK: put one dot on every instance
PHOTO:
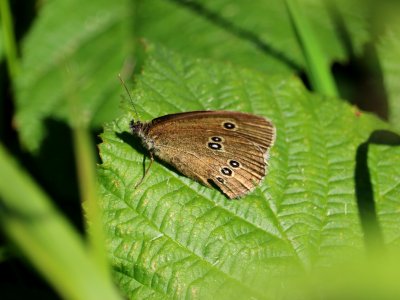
(223, 149)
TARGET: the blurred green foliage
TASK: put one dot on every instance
(322, 225)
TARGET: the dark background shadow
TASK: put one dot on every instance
(360, 79)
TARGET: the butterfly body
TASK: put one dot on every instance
(222, 149)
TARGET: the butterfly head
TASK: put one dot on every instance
(140, 130)
(136, 127)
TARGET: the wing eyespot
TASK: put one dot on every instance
(226, 171)
(215, 146)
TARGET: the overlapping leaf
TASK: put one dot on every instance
(384, 162)
(78, 59)
(173, 237)
(256, 34)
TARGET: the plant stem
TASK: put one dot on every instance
(10, 47)
(318, 68)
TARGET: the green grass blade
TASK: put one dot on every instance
(46, 238)
(85, 165)
(88, 186)
(10, 47)
(318, 69)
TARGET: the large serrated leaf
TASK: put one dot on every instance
(256, 34)
(76, 58)
(173, 237)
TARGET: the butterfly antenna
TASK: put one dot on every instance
(129, 94)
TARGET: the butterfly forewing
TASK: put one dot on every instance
(218, 148)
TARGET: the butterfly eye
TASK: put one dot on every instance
(234, 163)
(226, 171)
(229, 125)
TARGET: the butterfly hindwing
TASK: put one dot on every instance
(218, 148)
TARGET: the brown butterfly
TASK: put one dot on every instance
(222, 149)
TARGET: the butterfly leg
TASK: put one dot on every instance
(147, 170)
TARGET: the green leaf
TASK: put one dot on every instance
(384, 162)
(388, 50)
(256, 34)
(75, 58)
(172, 237)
